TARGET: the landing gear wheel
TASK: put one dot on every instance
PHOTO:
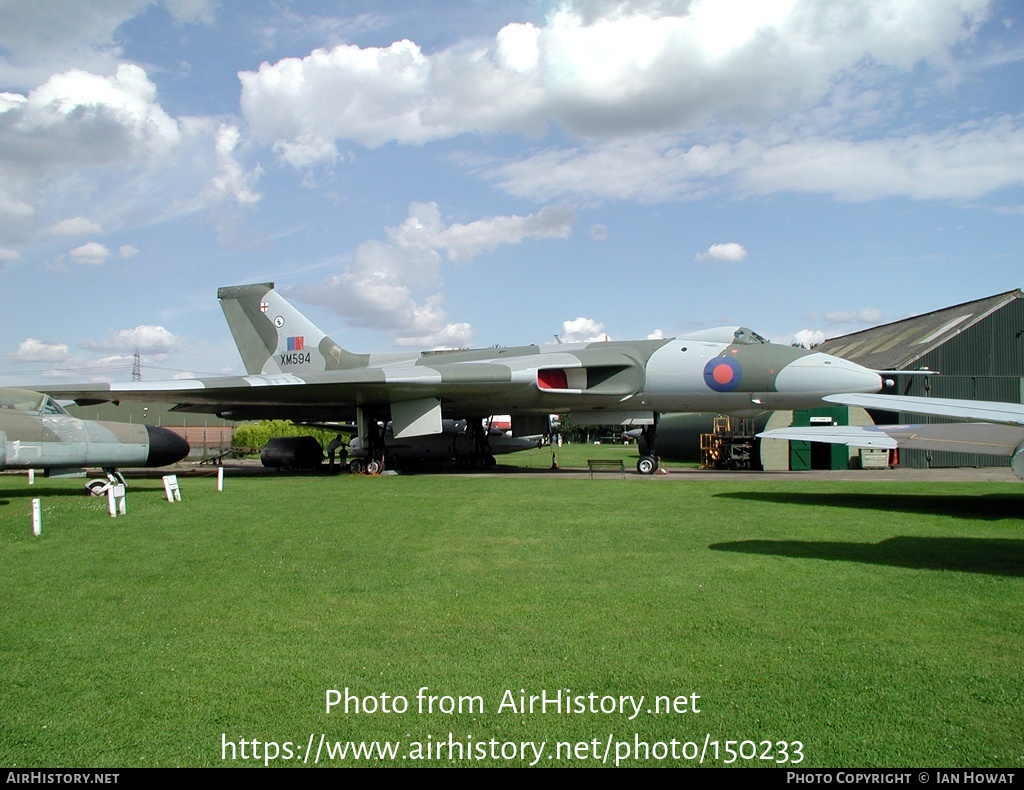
(95, 487)
(374, 467)
(355, 467)
(647, 465)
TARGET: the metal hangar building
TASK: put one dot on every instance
(976, 349)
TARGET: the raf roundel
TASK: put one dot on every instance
(723, 374)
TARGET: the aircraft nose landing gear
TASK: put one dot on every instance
(647, 465)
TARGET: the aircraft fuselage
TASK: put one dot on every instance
(44, 436)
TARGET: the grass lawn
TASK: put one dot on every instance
(877, 624)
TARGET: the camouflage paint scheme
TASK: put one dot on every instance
(296, 372)
(36, 433)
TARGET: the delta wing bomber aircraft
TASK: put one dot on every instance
(36, 433)
(296, 372)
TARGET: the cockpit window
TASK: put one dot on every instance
(50, 406)
(20, 400)
(26, 400)
(745, 336)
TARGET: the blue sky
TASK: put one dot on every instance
(463, 173)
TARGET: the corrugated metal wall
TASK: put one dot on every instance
(1007, 389)
(984, 362)
(992, 347)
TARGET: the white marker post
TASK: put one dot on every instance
(171, 488)
(31, 477)
(220, 478)
(116, 500)
(37, 518)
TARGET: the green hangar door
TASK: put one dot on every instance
(819, 455)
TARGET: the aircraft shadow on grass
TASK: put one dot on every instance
(989, 507)
(996, 556)
(36, 492)
(993, 556)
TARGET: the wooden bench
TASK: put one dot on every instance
(606, 465)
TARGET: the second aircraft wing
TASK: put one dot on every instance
(992, 427)
(963, 437)
(982, 411)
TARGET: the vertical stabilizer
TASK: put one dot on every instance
(274, 337)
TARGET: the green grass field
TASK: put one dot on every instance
(878, 624)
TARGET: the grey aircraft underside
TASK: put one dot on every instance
(294, 371)
(36, 433)
(455, 442)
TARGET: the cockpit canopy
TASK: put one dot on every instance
(741, 335)
(747, 337)
(28, 401)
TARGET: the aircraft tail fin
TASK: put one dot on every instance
(274, 337)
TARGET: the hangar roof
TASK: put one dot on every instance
(898, 345)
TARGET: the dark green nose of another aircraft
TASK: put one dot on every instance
(165, 447)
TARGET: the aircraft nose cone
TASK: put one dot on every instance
(826, 374)
(165, 447)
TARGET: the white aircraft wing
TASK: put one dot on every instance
(850, 435)
(993, 428)
(974, 410)
(982, 438)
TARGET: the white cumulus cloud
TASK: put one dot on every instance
(74, 121)
(808, 338)
(599, 70)
(582, 330)
(396, 286)
(80, 118)
(466, 241)
(146, 338)
(76, 226)
(231, 181)
(33, 350)
(730, 252)
(93, 254)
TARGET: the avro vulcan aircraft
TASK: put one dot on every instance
(296, 372)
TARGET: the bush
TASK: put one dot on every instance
(256, 435)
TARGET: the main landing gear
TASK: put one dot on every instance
(648, 463)
(370, 466)
(482, 457)
(368, 430)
